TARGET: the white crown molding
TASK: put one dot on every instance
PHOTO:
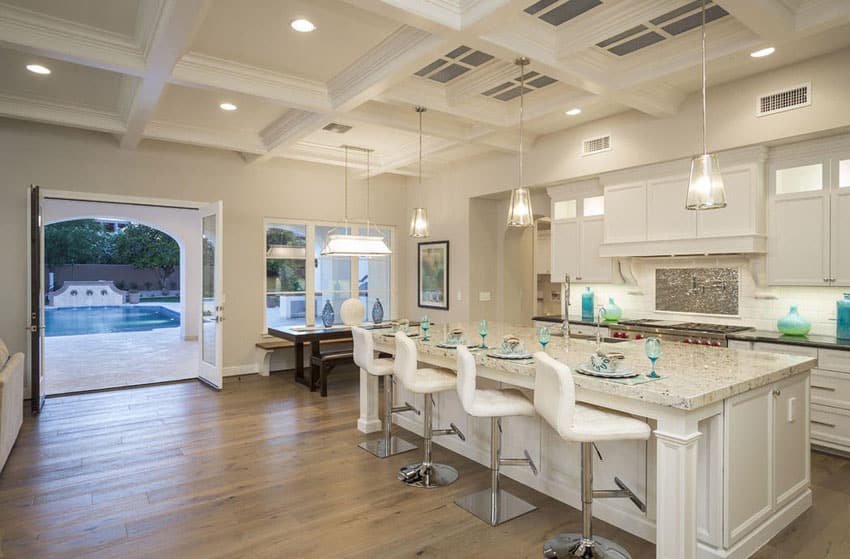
(242, 141)
(29, 108)
(479, 80)
(293, 126)
(200, 70)
(147, 19)
(69, 41)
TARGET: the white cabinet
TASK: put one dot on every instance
(625, 213)
(578, 221)
(767, 464)
(667, 217)
(809, 223)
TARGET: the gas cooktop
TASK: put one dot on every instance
(693, 326)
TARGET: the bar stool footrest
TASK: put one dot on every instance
(480, 504)
(438, 475)
(565, 546)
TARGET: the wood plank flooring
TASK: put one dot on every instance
(268, 469)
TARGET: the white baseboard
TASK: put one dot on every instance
(249, 369)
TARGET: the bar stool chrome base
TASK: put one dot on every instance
(484, 506)
(381, 449)
(564, 546)
(435, 475)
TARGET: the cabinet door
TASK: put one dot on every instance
(791, 432)
(625, 213)
(798, 242)
(744, 191)
(840, 240)
(593, 267)
(543, 253)
(565, 249)
(667, 218)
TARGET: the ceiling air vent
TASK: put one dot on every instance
(785, 100)
(596, 145)
(336, 127)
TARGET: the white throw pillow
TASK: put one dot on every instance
(4, 354)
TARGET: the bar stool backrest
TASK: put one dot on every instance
(406, 358)
(554, 394)
(466, 373)
(364, 348)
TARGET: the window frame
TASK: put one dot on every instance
(310, 269)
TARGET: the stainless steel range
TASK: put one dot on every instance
(696, 333)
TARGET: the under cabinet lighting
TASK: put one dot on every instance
(38, 69)
(763, 52)
(228, 107)
(574, 112)
(302, 25)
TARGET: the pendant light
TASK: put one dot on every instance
(519, 210)
(419, 220)
(705, 189)
(346, 244)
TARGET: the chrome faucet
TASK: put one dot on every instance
(565, 326)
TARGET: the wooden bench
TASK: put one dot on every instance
(264, 349)
(325, 361)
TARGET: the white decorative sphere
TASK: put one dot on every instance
(352, 312)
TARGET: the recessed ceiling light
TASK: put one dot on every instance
(763, 52)
(38, 69)
(302, 25)
(574, 112)
(228, 107)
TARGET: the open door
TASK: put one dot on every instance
(212, 296)
(36, 325)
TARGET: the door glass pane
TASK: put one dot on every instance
(374, 279)
(844, 173)
(594, 206)
(286, 286)
(333, 275)
(793, 180)
(209, 320)
(565, 209)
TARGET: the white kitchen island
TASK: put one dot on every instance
(727, 466)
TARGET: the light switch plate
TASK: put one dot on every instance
(483, 296)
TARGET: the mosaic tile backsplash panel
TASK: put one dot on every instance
(697, 290)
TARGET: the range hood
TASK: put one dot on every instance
(703, 246)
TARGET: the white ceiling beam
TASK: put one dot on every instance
(178, 21)
(28, 108)
(769, 19)
(242, 142)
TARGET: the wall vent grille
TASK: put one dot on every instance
(596, 145)
(785, 100)
(337, 127)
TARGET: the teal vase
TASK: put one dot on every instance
(793, 324)
(613, 312)
(843, 316)
(587, 304)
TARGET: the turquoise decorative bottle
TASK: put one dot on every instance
(613, 312)
(843, 316)
(587, 304)
(793, 324)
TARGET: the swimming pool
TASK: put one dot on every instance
(72, 321)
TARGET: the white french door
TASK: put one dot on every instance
(212, 296)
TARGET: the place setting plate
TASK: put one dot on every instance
(510, 356)
(587, 369)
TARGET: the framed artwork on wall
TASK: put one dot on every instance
(433, 284)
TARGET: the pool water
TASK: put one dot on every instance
(72, 321)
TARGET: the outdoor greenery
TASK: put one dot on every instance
(285, 274)
(86, 241)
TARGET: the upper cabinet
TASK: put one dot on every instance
(809, 220)
(578, 219)
(647, 217)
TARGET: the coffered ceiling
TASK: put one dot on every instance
(159, 69)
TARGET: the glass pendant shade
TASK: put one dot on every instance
(419, 223)
(519, 211)
(355, 245)
(705, 189)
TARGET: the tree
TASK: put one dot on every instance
(81, 241)
(145, 247)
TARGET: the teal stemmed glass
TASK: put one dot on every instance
(483, 330)
(425, 324)
(543, 336)
(653, 351)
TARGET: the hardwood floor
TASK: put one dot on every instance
(268, 469)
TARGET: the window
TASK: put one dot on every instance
(795, 180)
(594, 205)
(297, 287)
(564, 209)
(844, 173)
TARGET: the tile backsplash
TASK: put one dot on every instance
(711, 291)
(759, 307)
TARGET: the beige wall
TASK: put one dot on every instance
(637, 140)
(66, 159)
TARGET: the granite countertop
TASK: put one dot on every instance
(812, 340)
(557, 318)
(692, 376)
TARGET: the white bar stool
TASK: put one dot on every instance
(494, 506)
(424, 381)
(555, 401)
(364, 357)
